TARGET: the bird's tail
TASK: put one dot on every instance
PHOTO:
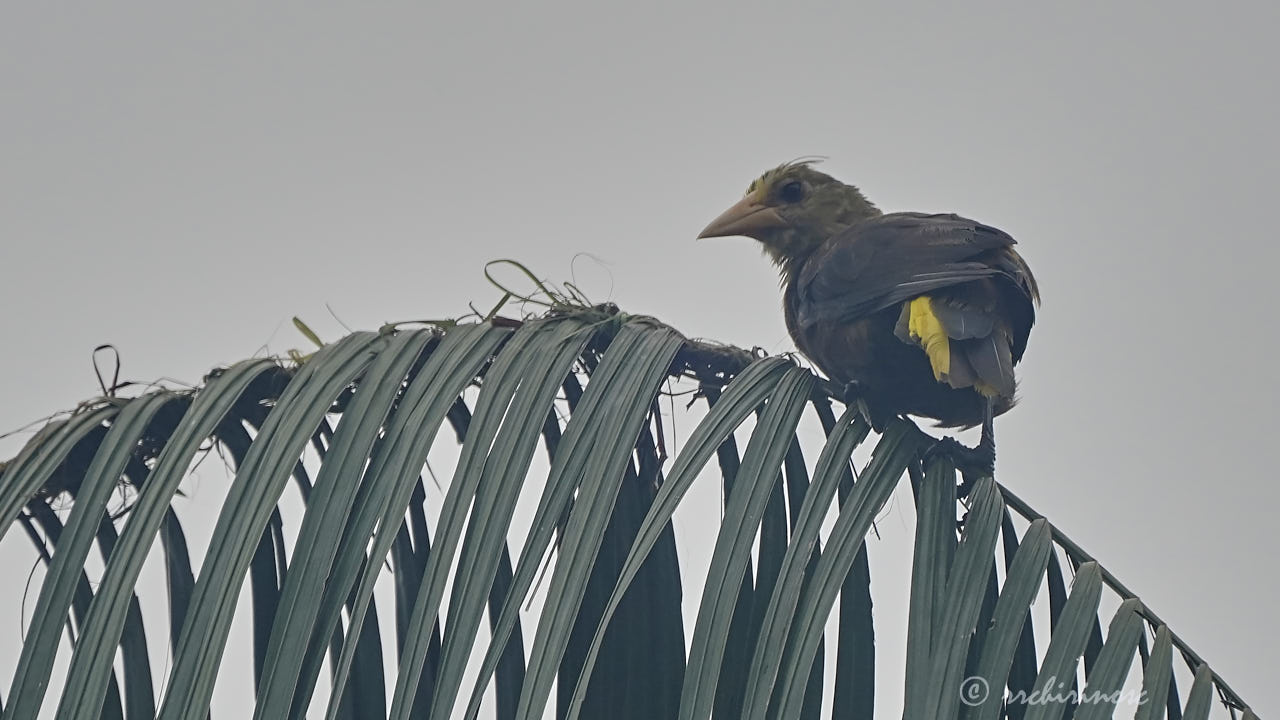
(966, 348)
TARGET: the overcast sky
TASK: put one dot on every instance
(180, 182)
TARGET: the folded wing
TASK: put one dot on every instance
(964, 295)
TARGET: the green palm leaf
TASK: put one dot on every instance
(609, 640)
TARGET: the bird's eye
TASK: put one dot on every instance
(792, 192)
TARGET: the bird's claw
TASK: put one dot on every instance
(947, 447)
(973, 463)
(855, 394)
(852, 393)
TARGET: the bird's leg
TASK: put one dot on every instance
(972, 462)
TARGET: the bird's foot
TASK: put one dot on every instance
(855, 394)
(972, 462)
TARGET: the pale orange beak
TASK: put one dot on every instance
(747, 217)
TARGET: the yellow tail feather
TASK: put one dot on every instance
(924, 328)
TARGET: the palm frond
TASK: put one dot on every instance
(563, 416)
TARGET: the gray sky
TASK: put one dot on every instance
(182, 181)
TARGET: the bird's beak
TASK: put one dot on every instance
(747, 217)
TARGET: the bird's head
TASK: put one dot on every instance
(792, 209)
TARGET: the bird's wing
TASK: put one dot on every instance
(882, 262)
(953, 280)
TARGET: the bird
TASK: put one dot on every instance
(910, 313)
